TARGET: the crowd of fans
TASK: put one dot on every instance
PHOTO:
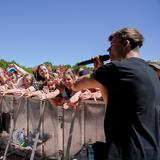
(44, 83)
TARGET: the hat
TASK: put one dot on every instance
(12, 70)
(155, 64)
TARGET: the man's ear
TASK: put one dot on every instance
(125, 43)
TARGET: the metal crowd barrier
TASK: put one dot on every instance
(58, 133)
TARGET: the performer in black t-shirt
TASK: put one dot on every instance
(131, 91)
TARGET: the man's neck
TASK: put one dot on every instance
(133, 53)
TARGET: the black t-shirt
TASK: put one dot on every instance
(132, 120)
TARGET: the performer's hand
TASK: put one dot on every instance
(97, 62)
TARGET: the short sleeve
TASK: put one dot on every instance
(107, 74)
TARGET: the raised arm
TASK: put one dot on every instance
(89, 82)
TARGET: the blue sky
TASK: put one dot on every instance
(69, 31)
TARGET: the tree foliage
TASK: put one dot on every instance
(4, 64)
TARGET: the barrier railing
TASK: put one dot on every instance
(56, 133)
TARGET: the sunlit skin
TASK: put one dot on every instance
(51, 85)
(3, 77)
(43, 72)
(117, 50)
(27, 81)
(67, 80)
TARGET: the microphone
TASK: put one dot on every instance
(102, 58)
